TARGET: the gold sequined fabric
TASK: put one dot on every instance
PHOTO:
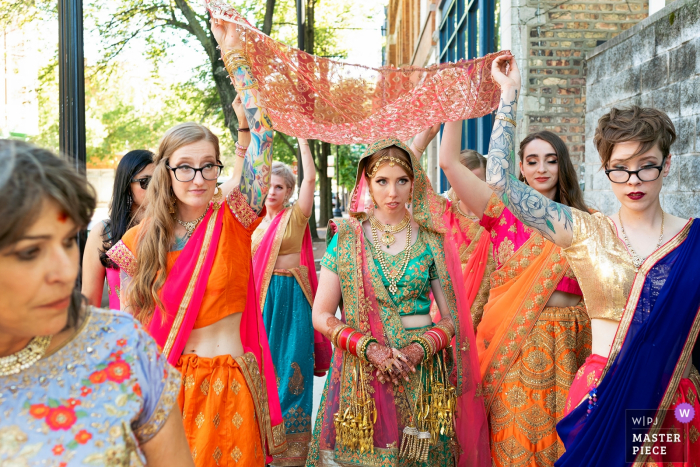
(602, 265)
(319, 98)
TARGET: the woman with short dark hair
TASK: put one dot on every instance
(78, 384)
(128, 195)
(638, 272)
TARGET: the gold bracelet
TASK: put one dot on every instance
(336, 332)
(362, 347)
(506, 119)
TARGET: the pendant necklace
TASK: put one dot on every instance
(636, 259)
(191, 225)
(387, 237)
(28, 356)
(393, 276)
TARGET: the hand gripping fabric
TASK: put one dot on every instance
(318, 98)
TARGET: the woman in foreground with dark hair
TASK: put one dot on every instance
(78, 385)
(534, 333)
(133, 176)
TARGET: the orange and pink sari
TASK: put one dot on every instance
(528, 352)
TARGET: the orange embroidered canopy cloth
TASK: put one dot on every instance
(319, 98)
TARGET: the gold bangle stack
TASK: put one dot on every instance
(234, 59)
(362, 347)
(426, 345)
(336, 332)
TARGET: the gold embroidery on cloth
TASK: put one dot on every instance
(218, 386)
(237, 420)
(296, 382)
(168, 400)
(199, 420)
(204, 387)
(235, 387)
(694, 434)
(217, 455)
(240, 208)
(236, 454)
(272, 436)
(216, 421)
(124, 258)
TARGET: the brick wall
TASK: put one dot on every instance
(550, 38)
(654, 64)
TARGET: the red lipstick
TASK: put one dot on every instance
(636, 195)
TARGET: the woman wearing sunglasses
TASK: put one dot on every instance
(186, 274)
(132, 178)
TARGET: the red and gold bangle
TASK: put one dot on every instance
(342, 338)
(353, 342)
(438, 336)
(336, 332)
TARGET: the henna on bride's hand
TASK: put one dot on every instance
(332, 323)
(414, 354)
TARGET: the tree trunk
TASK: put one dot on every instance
(269, 13)
(325, 187)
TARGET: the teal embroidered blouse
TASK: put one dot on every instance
(413, 296)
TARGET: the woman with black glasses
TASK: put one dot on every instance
(128, 195)
(186, 274)
(638, 270)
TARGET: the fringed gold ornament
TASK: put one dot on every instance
(354, 426)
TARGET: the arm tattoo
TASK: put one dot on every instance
(526, 203)
(255, 179)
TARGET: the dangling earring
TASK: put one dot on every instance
(129, 201)
(410, 200)
(218, 197)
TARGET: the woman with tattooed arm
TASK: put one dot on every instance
(534, 332)
(638, 272)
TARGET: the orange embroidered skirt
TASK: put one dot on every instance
(219, 413)
(531, 400)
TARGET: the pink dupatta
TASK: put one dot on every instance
(182, 296)
(264, 257)
(361, 310)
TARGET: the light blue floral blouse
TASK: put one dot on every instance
(93, 401)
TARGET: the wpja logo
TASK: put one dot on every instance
(657, 435)
(685, 413)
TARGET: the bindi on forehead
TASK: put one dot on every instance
(62, 217)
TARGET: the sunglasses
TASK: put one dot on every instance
(142, 181)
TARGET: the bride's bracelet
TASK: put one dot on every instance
(352, 341)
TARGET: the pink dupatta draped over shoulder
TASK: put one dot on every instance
(264, 257)
(361, 310)
(182, 296)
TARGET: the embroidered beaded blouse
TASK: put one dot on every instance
(227, 288)
(413, 296)
(601, 261)
(508, 234)
(92, 401)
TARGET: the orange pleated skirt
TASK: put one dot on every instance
(218, 413)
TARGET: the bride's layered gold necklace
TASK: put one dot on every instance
(388, 239)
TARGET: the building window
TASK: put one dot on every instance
(470, 29)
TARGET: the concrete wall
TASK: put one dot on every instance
(654, 64)
(550, 38)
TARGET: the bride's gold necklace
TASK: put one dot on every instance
(28, 356)
(394, 277)
(636, 259)
(387, 237)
